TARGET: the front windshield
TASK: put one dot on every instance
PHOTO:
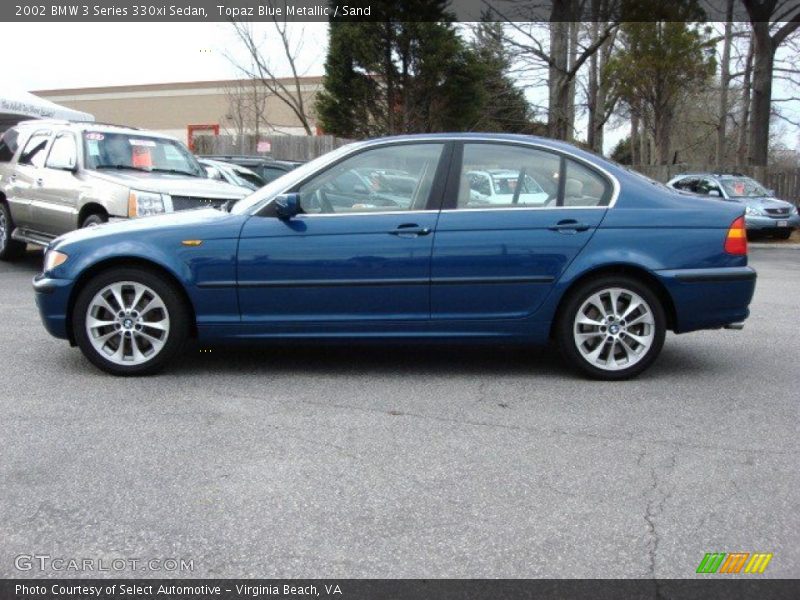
(105, 150)
(276, 186)
(743, 187)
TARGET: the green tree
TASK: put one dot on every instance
(407, 71)
(504, 105)
(657, 64)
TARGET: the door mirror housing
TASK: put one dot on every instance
(287, 205)
(771, 193)
(212, 172)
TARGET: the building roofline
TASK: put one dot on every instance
(178, 85)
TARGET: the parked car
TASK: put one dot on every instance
(605, 279)
(764, 214)
(499, 186)
(268, 168)
(233, 174)
(56, 176)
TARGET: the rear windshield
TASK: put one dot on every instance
(104, 150)
(8, 145)
(743, 187)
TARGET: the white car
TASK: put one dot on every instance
(499, 186)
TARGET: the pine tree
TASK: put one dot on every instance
(408, 71)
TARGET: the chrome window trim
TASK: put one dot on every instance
(364, 145)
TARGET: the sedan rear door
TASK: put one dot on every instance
(499, 261)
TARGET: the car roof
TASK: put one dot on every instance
(92, 126)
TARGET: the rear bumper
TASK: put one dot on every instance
(758, 223)
(709, 298)
(52, 300)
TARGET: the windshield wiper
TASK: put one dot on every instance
(131, 167)
(174, 171)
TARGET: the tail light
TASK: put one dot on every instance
(736, 240)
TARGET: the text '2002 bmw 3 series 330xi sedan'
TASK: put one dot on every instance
(411, 238)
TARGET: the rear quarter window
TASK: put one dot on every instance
(9, 143)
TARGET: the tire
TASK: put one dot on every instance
(9, 249)
(94, 219)
(614, 349)
(156, 325)
(784, 235)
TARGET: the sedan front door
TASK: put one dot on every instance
(350, 266)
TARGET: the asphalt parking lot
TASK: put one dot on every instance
(406, 462)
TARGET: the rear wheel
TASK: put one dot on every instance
(130, 321)
(611, 328)
(784, 235)
(9, 248)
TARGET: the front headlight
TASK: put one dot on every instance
(53, 258)
(794, 210)
(752, 211)
(141, 204)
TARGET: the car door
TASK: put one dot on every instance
(27, 178)
(55, 207)
(355, 268)
(499, 261)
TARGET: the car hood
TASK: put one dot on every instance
(205, 223)
(764, 202)
(174, 185)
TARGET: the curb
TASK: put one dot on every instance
(776, 246)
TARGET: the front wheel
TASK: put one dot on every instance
(130, 321)
(611, 328)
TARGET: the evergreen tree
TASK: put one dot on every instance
(408, 71)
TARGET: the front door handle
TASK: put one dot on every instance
(410, 229)
(39, 181)
(568, 226)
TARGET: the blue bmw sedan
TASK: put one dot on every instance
(402, 239)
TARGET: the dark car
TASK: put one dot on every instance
(604, 266)
(268, 168)
(764, 214)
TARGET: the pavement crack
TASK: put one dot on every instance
(658, 494)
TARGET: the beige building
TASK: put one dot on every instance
(185, 110)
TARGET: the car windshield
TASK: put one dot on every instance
(743, 187)
(105, 150)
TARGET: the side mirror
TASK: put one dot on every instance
(212, 172)
(715, 193)
(287, 205)
(771, 193)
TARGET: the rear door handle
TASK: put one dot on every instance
(568, 225)
(410, 229)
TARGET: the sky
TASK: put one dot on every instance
(103, 54)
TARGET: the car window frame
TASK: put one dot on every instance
(76, 145)
(454, 178)
(45, 150)
(435, 196)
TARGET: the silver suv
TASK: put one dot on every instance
(56, 176)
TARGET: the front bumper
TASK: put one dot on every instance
(709, 298)
(52, 300)
(762, 223)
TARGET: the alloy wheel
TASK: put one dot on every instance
(127, 323)
(614, 328)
